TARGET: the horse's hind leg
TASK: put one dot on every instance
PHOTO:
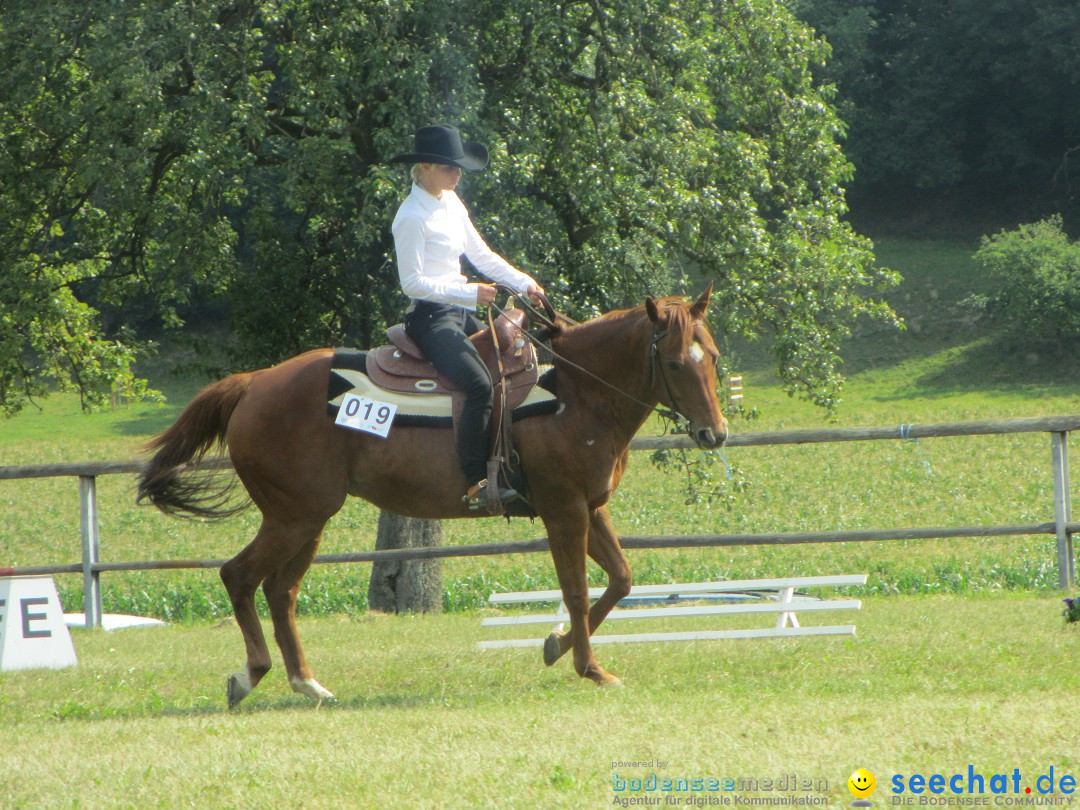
(281, 589)
(605, 549)
(242, 575)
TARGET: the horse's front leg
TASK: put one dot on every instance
(604, 548)
(568, 535)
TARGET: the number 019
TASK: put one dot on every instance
(368, 415)
(352, 408)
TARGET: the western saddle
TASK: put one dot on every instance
(510, 358)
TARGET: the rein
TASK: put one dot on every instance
(548, 317)
(549, 320)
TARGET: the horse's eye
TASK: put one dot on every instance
(674, 365)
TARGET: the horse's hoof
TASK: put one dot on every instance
(237, 688)
(312, 688)
(601, 677)
(553, 650)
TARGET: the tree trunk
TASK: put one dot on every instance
(406, 586)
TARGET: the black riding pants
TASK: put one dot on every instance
(442, 333)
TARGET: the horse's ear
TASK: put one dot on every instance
(702, 304)
(652, 309)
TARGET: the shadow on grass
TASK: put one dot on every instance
(254, 705)
(293, 703)
(997, 364)
(151, 419)
(147, 423)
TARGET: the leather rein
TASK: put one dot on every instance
(550, 318)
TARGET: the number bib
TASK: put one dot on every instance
(366, 414)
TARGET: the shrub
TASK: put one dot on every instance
(1035, 275)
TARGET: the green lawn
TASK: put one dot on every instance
(929, 685)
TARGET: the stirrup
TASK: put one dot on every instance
(476, 498)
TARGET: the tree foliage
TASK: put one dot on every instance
(955, 94)
(1035, 270)
(160, 154)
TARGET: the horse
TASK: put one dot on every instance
(298, 467)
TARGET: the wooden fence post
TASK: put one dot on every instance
(91, 550)
(1063, 510)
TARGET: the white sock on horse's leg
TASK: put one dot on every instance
(312, 688)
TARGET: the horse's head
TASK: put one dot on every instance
(683, 357)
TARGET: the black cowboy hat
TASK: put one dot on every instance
(442, 144)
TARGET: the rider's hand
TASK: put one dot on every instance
(485, 294)
(534, 292)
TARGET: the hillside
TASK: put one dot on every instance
(946, 352)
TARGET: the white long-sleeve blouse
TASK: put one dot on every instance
(431, 234)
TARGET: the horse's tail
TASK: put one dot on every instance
(168, 483)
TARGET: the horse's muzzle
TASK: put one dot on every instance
(707, 438)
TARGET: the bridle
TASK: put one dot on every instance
(655, 363)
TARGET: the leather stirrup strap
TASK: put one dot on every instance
(500, 435)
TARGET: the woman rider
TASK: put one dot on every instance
(432, 231)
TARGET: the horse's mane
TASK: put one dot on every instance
(612, 323)
(677, 308)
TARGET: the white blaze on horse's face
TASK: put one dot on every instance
(696, 352)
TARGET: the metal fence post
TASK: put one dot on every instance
(1063, 510)
(88, 519)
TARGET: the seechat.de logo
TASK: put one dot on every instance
(862, 784)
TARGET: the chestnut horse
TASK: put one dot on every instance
(298, 467)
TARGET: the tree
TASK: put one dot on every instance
(1034, 271)
(961, 95)
(165, 152)
(653, 142)
(406, 586)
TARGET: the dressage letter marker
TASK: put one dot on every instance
(368, 415)
(32, 629)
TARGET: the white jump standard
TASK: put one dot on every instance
(784, 605)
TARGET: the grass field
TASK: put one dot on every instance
(961, 658)
(929, 685)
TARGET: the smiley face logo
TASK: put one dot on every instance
(861, 783)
